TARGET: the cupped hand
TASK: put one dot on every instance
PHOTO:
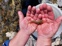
(49, 26)
(25, 23)
(48, 29)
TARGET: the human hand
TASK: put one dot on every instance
(49, 26)
(27, 27)
(25, 23)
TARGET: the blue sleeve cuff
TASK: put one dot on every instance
(6, 43)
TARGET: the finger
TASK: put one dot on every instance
(35, 18)
(33, 11)
(28, 11)
(37, 13)
(45, 11)
(51, 15)
(21, 16)
(42, 12)
(59, 20)
(49, 8)
(41, 7)
(40, 16)
(45, 8)
(47, 20)
(44, 20)
(50, 12)
(45, 15)
(57, 23)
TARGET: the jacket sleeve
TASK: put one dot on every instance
(6, 43)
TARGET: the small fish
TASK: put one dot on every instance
(37, 22)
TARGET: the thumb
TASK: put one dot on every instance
(59, 20)
(21, 16)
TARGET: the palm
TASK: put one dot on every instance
(26, 26)
(48, 29)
